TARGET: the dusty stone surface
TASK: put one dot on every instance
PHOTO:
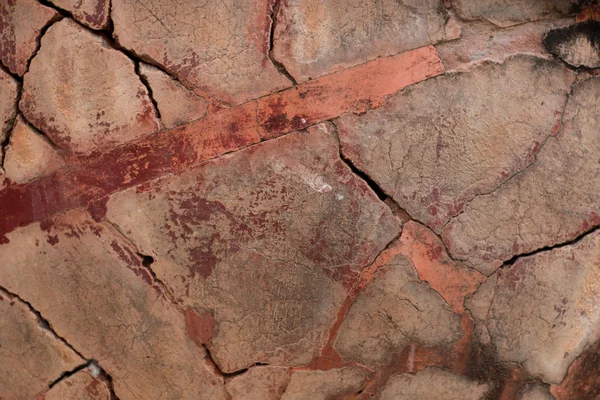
(176, 104)
(219, 48)
(536, 392)
(29, 154)
(115, 314)
(83, 94)
(259, 383)
(432, 383)
(396, 308)
(93, 13)
(578, 45)
(22, 22)
(434, 153)
(324, 385)
(544, 310)
(313, 38)
(553, 201)
(31, 357)
(503, 13)
(80, 386)
(299, 218)
(8, 103)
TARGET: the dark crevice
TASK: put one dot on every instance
(95, 370)
(146, 83)
(39, 132)
(38, 40)
(227, 375)
(11, 124)
(7, 71)
(280, 67)
(67, 374)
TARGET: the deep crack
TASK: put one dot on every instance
(280, 67)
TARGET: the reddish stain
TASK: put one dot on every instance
(53, 239)
(199, 327)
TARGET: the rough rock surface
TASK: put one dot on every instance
(324, 385)
(219, 48)
(114, 313)
(80, 386)
(268, 254)
(176, 104)
(396, 308)
(22, 22)
(259, 383)
(553, 201)
(93, 13)
(506, 13)
(536, 392)
(8, 103)
(543, 310)
(84, 95)
(582, 379)
(313, 38)
(31, 357)
(28, 154)
(430, 384)
(434, 153)
(578, 45)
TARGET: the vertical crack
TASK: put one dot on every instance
(276, 5)
(144, 79)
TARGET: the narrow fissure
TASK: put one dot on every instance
(280, 67)
(145, 82)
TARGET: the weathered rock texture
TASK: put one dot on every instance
(8, 103)
(577, 45)
(93, 13)
(80, 386)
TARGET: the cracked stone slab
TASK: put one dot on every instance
(324, 385)
(29, 154)
(92, 13)
(90, 284)
(543, 310)
(432, 154)
(84, 95)
(266, 239)
(395, 309)
(313, 38)
(432, 383)
(506, 13)
(536, 391)
(79, 386)
(177, 105)
(578, 45)
(31, 357)
(259, 383)
(8, 103)
(22, 22)
(219, 48)
(555, 200)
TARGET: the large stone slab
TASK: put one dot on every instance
(440, 143)
(84, 95)
(543, 310)
(553, 201)
(90, 284)
(219, 48)
(265, 239)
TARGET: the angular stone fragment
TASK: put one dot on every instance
(28, 154)
(91, 285)
(506, 13)
(434, 153)
(84, 95)
(578, 45)
(31, 357)
(176, 104)
(8, 103)
(93, 13)
(219, 47)
(265, 239)
(324, 385)
(553, 201)
(259, 383)
(396, 308)
(313, 38)
(543, 310)
(80, 386)
(22, 22)
(432, 383)
(582, 379)
(536, 392)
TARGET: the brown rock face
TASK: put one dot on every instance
(22, 22)
(8, 103)
(80, 386)
(545, 309)
(433, 153)
(268, 254)
(432, 383)
(503, 13)
(553, 201)
(28, 154)
(90, 283)
(219, 48)
(93, 13)
(535, 392)
(84, 95)
(578, 45)
(259, 383)
(313, 37)
(324, 385)
(176, 104)
(31, 357)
